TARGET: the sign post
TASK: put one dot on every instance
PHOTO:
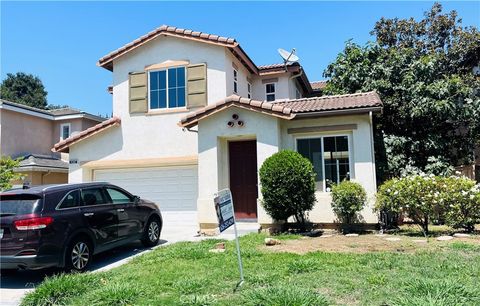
(226, 217)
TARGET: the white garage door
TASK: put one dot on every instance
(173, 188)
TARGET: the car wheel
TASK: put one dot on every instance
(152, 233)
(79, 255)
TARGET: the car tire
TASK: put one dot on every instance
(152, 231)
(78, 255)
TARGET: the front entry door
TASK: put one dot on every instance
(243, 178)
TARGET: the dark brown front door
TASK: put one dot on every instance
(243, 178)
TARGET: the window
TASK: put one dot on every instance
(330, 158)
(93, 196)
(235, 81)
(70, 200)
(270, 91)
(64, 131)
(249, 90)
(118, 197)
(167, 88)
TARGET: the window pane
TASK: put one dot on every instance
(181, 97)
(93, 196)
(270, 97)
(118, 197)
(270, 88)
(181, 77)
(312, 149)
(234, 86)
(162, 79)
(172, 78)
(154, 80)
(337, 167)
(172, 97)
(71, 200)
(162, 98)
(154, 99)
(65, 131)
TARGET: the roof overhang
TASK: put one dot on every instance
(263, 107)
(40, 169)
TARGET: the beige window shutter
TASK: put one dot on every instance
(196, 85)
(137, 82)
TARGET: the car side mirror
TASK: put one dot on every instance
(136, 199)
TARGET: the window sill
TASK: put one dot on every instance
(167, 111)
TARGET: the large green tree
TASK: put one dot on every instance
(424, 72)
(25, 89)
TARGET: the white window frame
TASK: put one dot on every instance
(274, 93)
(235, 80)
(69, 130)
(249, 90)
(322, 136)
(168, 100)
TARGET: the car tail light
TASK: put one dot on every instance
(32, 223)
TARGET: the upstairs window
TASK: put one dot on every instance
(270, 91)
(235, 81)
(64, 131)
(249, 90)
(167, 88)
(330, 158)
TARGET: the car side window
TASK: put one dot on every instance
(70, 200)
(93, 196)
(118, 197)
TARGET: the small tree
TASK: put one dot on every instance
(288, 186)
(7, 175)
(348, 199)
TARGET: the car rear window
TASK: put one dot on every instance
(23, 204)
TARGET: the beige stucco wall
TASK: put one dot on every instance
(22, 133)
(271, 136)
(42, 178)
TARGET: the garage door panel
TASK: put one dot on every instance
(173, 188)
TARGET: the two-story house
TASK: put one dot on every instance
(29, 133)
(194, 114)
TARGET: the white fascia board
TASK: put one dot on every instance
(26, 111)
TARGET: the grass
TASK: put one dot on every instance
(188, 274)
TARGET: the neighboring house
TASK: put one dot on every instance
(194, 114)
(30, 133)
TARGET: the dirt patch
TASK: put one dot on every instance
(365, 244)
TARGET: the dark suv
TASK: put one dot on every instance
(65, 225)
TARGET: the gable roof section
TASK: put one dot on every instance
(318, 85)
(289, 109)
(64, 145)
(259, 106)
(165, 30)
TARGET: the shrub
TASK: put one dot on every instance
(460, 200)
(288, 186)
(348, 198)
(426, 199)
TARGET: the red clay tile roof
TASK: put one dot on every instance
(290, 108)
(318, 85)
(328, 103)
(63, 145)
(234, 100)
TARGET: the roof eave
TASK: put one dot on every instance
(339, 112)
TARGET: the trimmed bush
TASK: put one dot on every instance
(348, 199)
(288, 186)
(426, 199)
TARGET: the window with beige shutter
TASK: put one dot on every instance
(138, 92)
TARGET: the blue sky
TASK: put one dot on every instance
(61, 41)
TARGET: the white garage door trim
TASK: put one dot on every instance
(173, 188)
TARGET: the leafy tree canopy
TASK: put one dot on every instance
(424, 73)
(24, 89)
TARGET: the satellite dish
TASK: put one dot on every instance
(288, 57)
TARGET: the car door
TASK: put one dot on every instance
(130, 217)
(100, 215)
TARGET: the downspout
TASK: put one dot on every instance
(370, 117)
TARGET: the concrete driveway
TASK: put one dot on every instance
(178, 226)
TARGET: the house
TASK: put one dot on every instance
(29, 133)
(193, 114)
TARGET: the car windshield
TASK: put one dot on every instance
(19, 204)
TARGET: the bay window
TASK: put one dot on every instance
(330, 158)
(167, 88)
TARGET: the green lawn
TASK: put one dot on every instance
(188, 274)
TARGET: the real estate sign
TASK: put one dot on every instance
(224, 208)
